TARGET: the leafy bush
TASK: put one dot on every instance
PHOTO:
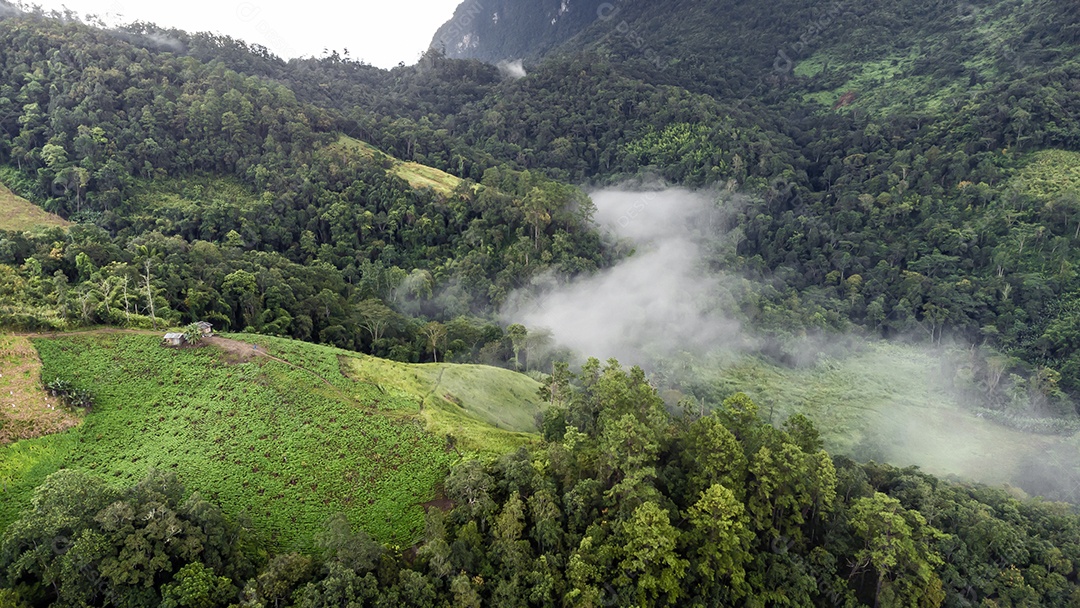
(70, 394)
(192, 333)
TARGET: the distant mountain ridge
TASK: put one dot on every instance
(495, 30)
(729, 49)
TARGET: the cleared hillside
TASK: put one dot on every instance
(18, 214)
(418, 175)
(26, 410)
(276, 433)
(461, 400)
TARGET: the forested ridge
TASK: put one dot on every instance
(131, 143)
(902, 170)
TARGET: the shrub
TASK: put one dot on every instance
(70, 394)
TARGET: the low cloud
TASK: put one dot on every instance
(661, 299)
(512, 69)
(668, 307)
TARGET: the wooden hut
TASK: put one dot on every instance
(173, 339)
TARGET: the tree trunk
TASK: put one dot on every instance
(150, 295)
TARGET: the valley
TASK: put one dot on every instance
(593, 304)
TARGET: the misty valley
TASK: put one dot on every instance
(671, 307)
(595, 304)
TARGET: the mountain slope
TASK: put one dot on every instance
(276, 433)
(510, 29)
(732, 49)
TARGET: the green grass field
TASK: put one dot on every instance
(286, 440)
(18, 214)
(465, 401)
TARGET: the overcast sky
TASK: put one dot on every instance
(380, 32)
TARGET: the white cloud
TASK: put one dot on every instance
(380, 33)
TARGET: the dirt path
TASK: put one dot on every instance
(438, 383)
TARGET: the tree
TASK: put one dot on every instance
(713, 456)
(435, 332)
(196, 586)
(148, 284)
(464, 590)
(354, 549)
(518, 336)
(374, 316)
(649, 557)
(277, 580)
(536, 205)
(720, 540)
(557, 388)
(470, 487)
(629, 451)
(803, 433)
(36, 545)
(895, 546)
(240, 288)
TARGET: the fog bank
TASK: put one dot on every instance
(668, 307)
(660, 299)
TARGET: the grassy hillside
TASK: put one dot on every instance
(418, 176)
(461, 400)
(18, 214)
(277, 433)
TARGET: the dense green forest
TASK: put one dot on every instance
(273, 227)
(903, 170)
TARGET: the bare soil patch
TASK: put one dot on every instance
(236, 351)
(26, 410)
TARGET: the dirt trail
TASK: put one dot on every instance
(438, 383)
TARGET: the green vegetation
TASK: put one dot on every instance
(418, 175)
(623, 504)
(1051, 176)
(868, 407)
(18, 214)
(27, 410)
(394, 212)
(199, 207)
(283, 444)
(464, 401)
